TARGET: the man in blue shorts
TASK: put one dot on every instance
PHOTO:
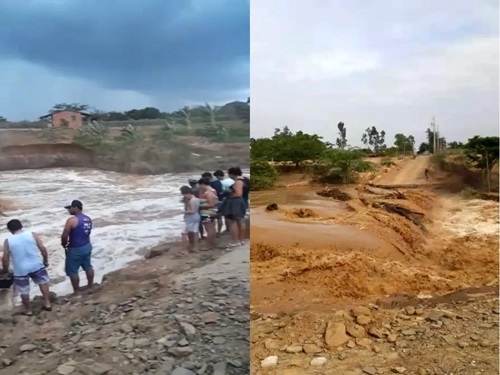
(75, 239)
(25, 248)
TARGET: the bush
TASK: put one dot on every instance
(345, 165)
(387, 162)
(264, 176)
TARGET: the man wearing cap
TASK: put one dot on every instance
(75, 239)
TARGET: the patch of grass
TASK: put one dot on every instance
(387, 162)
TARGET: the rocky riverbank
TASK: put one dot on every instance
(457, 337)
(169, 314)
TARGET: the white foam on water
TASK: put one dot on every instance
(129, 213)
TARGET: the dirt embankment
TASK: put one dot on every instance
(457, 165)
(45, 156)
(37, 156)
(171, 314)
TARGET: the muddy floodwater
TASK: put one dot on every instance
(315, 252)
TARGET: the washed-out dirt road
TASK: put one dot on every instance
(372, 292)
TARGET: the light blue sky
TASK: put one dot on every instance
(119, 55)
(385, 63)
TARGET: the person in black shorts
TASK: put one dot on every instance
(216, 184)
(235, 206)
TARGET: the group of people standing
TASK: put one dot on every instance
(210, 203)
(23, 248)
(213, 202)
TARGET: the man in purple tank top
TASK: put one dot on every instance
(75, 239)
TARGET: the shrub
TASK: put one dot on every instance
(264, 176)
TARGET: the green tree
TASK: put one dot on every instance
(129, 136)
(482, 151)
(262, 148)
(184, 116)
(341, 141)
(77, 107)
(374, 139)
(297, 147)
(430, 140)
(165, 133)
(404, 143)
(2, 120)
(148, 113)
(424, 147)
(345, 164)
(455, 145)
(92, 136)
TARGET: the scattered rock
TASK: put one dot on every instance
(399, 370)
(364, 342)
(182, 371)
(355, 330)
(363, 320)
(361, 310)
(65, 370)
(318, 361)
(410, 310)
(180, 351)
(311, 349)
(370, 370)
(335, 334)
(189, 330)
(392, 337)
(270, 361)
(27, 348)
(294, 349)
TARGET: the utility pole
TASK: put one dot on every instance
(438, 139)
(433, 129)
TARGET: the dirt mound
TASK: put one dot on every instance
(272, 207)
(302, 213)
(334, 193)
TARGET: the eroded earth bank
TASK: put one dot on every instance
(376, 280)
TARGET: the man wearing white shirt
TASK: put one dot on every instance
(226, 182)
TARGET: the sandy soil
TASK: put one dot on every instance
(316, 258)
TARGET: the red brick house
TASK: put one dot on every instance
(67, 118)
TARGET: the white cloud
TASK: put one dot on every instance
(386, 63)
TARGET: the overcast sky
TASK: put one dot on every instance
(392, 64)
(119, 55)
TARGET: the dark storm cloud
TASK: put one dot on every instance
(151, 46)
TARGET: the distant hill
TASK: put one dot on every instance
(236, 110)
